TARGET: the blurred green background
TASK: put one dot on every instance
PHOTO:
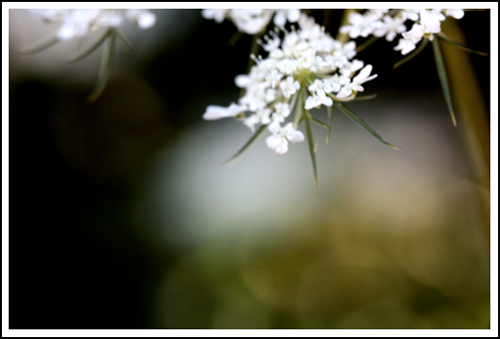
(122, 214)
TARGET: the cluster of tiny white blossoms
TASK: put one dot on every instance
(390, 23)
(306, 63)
(253, 21)
(78, 23)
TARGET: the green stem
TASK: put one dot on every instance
(443, 78)
(416, 52)
(249, 142)
(235, 38)
(298, 109)
(41, 45)
(366, 44)
(311, 148)
(254, 49)
(123, 40)
(363, 124)
(92, 48)
(344, 37)
(106, 64)
(459, 45)
(330, 124)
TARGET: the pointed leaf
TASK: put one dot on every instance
(41, 45)
(235, 38)
(416, 52)
(459, 45)
(317, 122)
(364, 97)
(443, 78)
(330, 124)
(363, 124)
(311, 150)
(91, 48)
(123, 40)
(106, 64)
(249, 142)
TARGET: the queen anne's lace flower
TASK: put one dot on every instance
(390, 27)
(317, 99)
(306, 67)
(283, 15)
(415, 34)
(362, 25)
(380, 23)
(281, 111)
(252, 21)
(78, 23)
(289, 86)
(141, 17)
(216, 14)
(355, 84)
(427, 23)
(456, 13)
(405, 46)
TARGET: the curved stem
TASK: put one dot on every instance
(106, 65)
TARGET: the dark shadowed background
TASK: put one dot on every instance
(122, 214)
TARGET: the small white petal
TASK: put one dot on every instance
(146, 20)
(282, 147)
(344, 92)
(66, 32)
(327, 101)
(274, 127)
(310, 103)
(293, 15)
(219, 112)
(292, 134)
(280, 19)
(364, 73)
(242, 80)
(277, 143)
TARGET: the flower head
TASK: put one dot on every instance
(78, 23)
(252, 21)
(405, 46)
(302, 70)
(289, 86)
(382, 22)
(216, 14)
(356, 82)
(284, 15)
(390, 27)
(362, 25)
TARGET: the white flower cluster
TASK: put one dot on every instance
(252, 21)
(382, 22)
(78, 23)
(306, 64)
